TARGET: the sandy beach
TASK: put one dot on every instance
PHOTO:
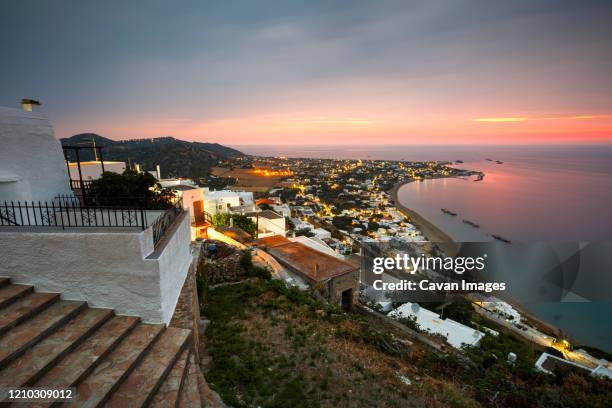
(446, 243)
(431, 232)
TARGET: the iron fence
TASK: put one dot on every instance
(166, 220)
(70, 212)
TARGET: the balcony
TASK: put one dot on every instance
(70, 213)
(129, 257)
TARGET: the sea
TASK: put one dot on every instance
(530, 193)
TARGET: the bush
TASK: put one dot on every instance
(460, 311)
(343, 223)
(241, 221)
(305, 232)
(129, 189)
(252, 270)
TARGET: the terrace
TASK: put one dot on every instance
(70, 214)
(129, 254)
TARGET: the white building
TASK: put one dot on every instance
(317, 244)
(547, 363)
(282, 209)
(270, 223)
(503, 309)
(92, 170)
(32, 165)
(300, 224)
(221, 201)
(456, 334)
(322, 233)
(193, 202)
(131, 260)
(172, 182)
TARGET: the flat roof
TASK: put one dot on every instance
(94, 163)
(182, 187)
(269, 214)
(305, 259)
(456, 334)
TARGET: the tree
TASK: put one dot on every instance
(241, 221)
(305, 232)
(343, 223)
(129, 189)
(460, 310)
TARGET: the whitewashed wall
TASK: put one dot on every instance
(117, 270)
(32, 165)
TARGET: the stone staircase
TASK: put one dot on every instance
(109, 360)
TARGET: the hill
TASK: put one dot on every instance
(177, 158)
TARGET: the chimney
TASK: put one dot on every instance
(158, 169)
(30, 105)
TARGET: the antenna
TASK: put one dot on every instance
(93, 139)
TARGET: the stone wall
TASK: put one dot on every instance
(341, 283)
(187, 311)
(224, 266)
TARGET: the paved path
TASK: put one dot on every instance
(263, 259)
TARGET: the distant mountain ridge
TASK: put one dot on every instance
(176, 158)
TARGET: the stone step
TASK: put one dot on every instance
(36, 361)
(4, 282)
(100, 384)
(25, 308)
(168, 393)
(190, 395)
(151, 371)
(21, 338)
(10, 293)
(78, 364)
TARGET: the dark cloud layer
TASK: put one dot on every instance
(230, 58)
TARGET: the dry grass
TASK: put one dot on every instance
(314, 356)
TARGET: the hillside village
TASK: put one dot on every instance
(150, 290)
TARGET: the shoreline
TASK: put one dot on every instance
(436, 235)
(429, 230)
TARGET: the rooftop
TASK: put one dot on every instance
(182, 187)
(269, 214)
(93, 163)
(305, 259)
(456, 333)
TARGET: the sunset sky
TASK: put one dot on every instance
(315, 72)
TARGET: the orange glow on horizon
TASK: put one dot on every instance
(526, 118)
(420, 127)
(498, 120)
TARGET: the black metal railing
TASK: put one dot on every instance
(166, 220)
(146, 202)
(70, 212)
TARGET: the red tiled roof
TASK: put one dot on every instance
(264, 201)
(273, 241)
(304, 259)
